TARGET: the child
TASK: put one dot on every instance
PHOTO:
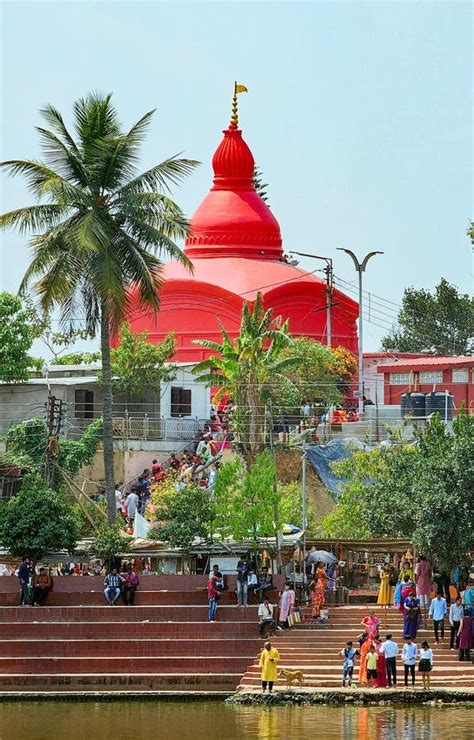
(349, 654)
(372, 659)
(426, 663)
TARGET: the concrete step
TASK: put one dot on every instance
(328, 680)
(28, 614)
(123, 665)
(116, 682)
(138, 630)
(178, 584)
(130, 648)
(142, 598)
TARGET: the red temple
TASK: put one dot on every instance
(236, 249)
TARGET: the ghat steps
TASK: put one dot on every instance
(314, 648)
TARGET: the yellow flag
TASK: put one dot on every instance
(240, 88)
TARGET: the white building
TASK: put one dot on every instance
(175, 410)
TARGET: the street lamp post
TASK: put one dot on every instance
(360, 268)
(329, 290)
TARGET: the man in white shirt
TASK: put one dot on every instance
(456, 613)
(132, 504)
(118, 500)
(390, 649)
(409, 659)
(252, 582)
(437, 613)
(265, 614)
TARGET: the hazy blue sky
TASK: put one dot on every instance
(358, 113)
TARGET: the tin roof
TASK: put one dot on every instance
(422, 363)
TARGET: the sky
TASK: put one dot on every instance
(359, 114)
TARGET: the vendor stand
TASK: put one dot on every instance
(359, 564)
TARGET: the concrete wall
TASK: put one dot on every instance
(200, 395)
(94, 473)
(20, 402)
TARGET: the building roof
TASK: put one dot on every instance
(393, 355)
(422, 363)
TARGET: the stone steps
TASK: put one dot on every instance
(313, 649)
(142, 598)
(218, 663)
(140, 648)
(104, 613)
(43, 631)
(104, 682)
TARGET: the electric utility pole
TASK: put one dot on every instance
(329, 291)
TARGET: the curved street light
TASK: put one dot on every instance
(360, 268)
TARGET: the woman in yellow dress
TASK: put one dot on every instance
(268, 662)
(385, 597)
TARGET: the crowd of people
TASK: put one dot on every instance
(197, 465)
(257, 583)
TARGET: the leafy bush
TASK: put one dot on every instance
(37, 521)
(109, 541)
(183, 516)
(97, 512)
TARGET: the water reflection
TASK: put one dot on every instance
(145, 720)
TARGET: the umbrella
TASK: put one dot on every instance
(322, 556)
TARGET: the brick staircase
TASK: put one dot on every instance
(314, 649)
(164, 642)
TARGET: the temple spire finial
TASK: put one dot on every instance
(234, 119)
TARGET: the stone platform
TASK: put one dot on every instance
(162, 644)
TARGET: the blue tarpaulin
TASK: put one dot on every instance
(322, 456)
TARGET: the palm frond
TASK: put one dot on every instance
(95, 118)
(33, 218)
(157, 240)
(172, 170)
(54, 118)
(65, 161)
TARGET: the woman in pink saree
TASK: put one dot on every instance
(371, 625)
(286, 603)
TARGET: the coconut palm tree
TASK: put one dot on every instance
(100, 230)
(245, 368)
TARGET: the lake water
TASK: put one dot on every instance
(212, 720)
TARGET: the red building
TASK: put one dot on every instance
(236, 249)
(425, 374)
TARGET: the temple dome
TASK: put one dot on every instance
(236, 249)
(233, 220)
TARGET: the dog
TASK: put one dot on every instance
(291, 677)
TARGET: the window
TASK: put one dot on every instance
(461, 376)
(180, 401)
(431, 376)
(84, 404)
(401, 379)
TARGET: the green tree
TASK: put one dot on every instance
(137, 364)
(437, 323)
(247, 368)
(28, 441)
(320, 373)
(37, 521)
(96, 236)
(183, 516)
(16, 338)
(76, 358)
(247, 505)
(422, 492)
(109, 541)
(259, 185)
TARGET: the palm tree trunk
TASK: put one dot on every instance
(108, 435)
